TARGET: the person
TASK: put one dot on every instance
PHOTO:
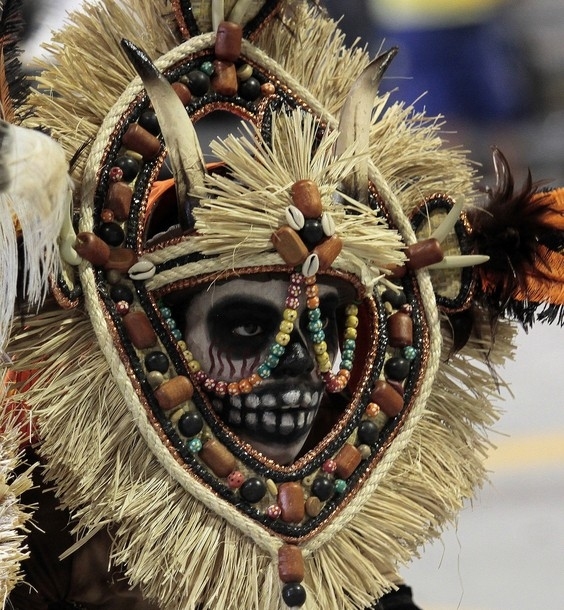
(252, 380)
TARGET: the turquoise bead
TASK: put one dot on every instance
(264, 371)
(171, 323)
(340, 486)
(315, 326)
(349, 344)
(272, 361)
(314, 314)
(166, 312)
(318, 337)
(409, 352)
(207, 68)
(347, 365)
(277, 350)
(348, 354)
(195, 445)
(177, 334)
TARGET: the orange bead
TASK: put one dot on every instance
(290, 564)
(174, 392)
(224, 80)
(139, 330)
(372, 409)
(183, 92)
(312, 303)
(138, 139)
(119, 200)
(245, 386)
(292, 502)
(92, 248)
(307, 199)
(387, 398)
(347, 460)
(218, 458)
(424, 253)
(290, 246)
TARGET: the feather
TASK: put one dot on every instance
(35, 190)
(522, 231)
(178, 132)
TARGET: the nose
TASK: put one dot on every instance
(295, 361)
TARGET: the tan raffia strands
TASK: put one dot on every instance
(182, 553)
(13, 515)
(90, 44)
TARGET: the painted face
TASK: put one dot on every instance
(230, 328)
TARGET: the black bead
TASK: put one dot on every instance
(397, 369)
(323, 488)
(312, 232)
(190, 424)
(396, 298)
(293, 594)
(198, 82)
(157, 361)
(250, 89)
(149, 121)
(119, 292)
(111, 233)
(368, 433)
(129, 166)
(253, 490)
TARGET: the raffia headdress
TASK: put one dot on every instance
(325, 179)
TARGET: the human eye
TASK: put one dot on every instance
(249, 329)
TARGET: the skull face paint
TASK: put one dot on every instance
(229, 329)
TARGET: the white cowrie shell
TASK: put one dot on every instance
(142, 270)
(311, 265)
(328, 224)
(295, 218)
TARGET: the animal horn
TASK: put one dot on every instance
(356, 117)
(178, 132)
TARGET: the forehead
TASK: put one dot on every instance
(266, 288)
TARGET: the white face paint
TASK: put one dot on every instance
(230, 328)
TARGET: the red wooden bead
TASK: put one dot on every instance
(92, 248)
(228, 41)
(290, 246)
(386, 397)
(224, 80)
(291, 502)
(347, 460)
(424, 253)
(307, 199)
(400, 329)
(290, 564)
(121, 259)
(217, 457)
(183, 92)
(139, 330)
(138, 139)
(119, 200)
(328, 250)
(174, 392)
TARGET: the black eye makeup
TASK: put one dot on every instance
(242, 326)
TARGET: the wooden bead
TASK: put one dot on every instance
(228, 41)
(121, 259)
(183, 92)
(139, 330)
(92, 248)
(347, 460)
(396, 272)
(218, 458)
(290, 564)
(306, 198)
(267, 89)
(313, 506)
(290, 246)
(291, 502)
(400, 329)
(119, 200)
(224, 80)
(389, 401)
(327, 251)
(424, 253)
(174, 392)
(141, 141)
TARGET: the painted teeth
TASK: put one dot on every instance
(269, 400)
(251, 421)
(252, 401)
(286, 424)
(269, 422)
(292, 397)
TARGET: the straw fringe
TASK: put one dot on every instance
(13, 515)
(114, 481)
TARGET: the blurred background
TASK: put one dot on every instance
(495, 69)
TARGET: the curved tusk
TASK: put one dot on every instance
(218, 13)
(178, 132)
(457, 261)
(446, 226)
(243, 11)
(356, 118)
(67, 239)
